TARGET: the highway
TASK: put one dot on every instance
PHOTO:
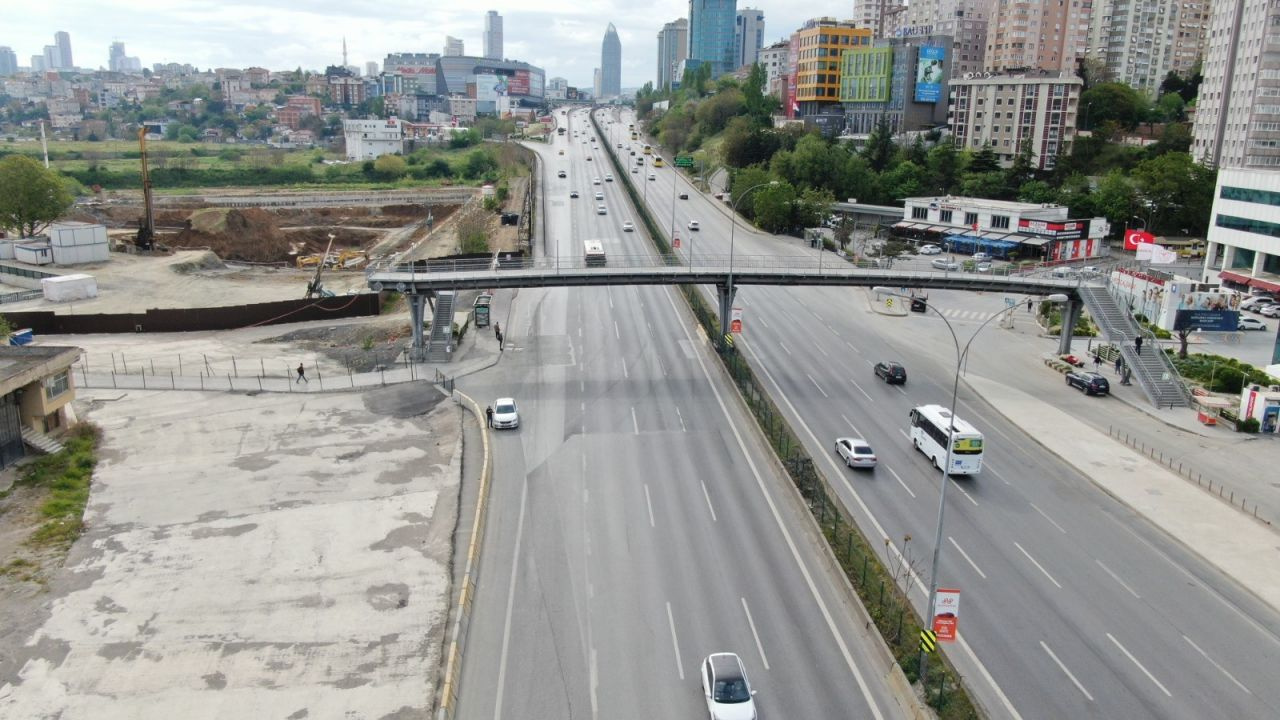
(637, 521)
(1072, 606)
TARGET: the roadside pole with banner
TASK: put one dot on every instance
(735, 321)
(946, 614)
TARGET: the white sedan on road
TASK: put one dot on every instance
(726, 688)
(855, 452)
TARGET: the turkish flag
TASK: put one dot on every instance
(1133, 237)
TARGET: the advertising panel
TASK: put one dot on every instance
(1206, 320)
(489, 87)
(519, 83)
(1066, 230)
(537, 84)
(929, 73)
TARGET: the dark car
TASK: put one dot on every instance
(892, 372)
(684, 196)
(1090, 383)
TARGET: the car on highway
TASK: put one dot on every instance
(1248, 323)
(652, 176)
(599, 195)
(608, 178)
(561, 174)
(505, 414)
(600, 210)
(930, 250)
(573, 193)
(619, 145)
(944, 264)
(891, 371)
(726, 688)
(628, 227)
(595, 181)
(855, 452)
(588, 158)
(635, 170)
(693, 224)
(1090, 383)
(562, 152)
(684, 196)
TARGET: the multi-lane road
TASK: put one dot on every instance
(638, 525)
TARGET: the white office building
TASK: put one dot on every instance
(369, 139)
(1243, 246)
(748, 34)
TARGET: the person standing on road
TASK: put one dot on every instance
(302, 375)
(1119, 364)
(1028, 304)
(1097, 363)
(488, 416)
(497, 331)
(1137, 345)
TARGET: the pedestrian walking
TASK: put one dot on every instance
(497, 331)
(1119, 363)
(1097, 363)
(1137, 345)
(1028, 304)
(302, 375)
(499, 342)
(488, 416)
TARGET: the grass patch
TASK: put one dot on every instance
(65, 478)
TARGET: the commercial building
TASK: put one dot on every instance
(8, 61)
(1046, 35)
(902, 81)
(774, 61)
(36, 386)
(491, 82)
(673, 48)
(453, 46)
(1003, 229)
(1243, 243)
(818, 46)
(493, 35)
(711, 24)
(748, 35)
(417, 71)
(1135, 40)
(369, 139)
(965, 21)
(1008, 111)
(1237, 121)
(62, 41)
(610, 64)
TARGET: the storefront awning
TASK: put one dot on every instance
(1267, 285)
(901, 225)
(1031, 240)
(1235, 277)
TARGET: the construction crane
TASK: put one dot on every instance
(314, 287)
(147, 225)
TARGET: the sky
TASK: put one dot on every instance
(561, 36)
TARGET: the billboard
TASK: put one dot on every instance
(1063, 229)
(929, 68)
(1206, 320)
(519, 83)
(489, 87)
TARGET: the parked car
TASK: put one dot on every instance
(1257, 302)
(505, 414)
(1090, 383)
(1270, 310)
(684, 196)
(693, 224)
(944, 264)
(628, 227)
(982, 267)
(1248, 323)
(979, 257)
(726, 688)
(855, 452)
(930, 250)
(892, 372)
(561, 174)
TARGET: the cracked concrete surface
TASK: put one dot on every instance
(251, 556)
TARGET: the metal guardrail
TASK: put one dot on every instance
(20, 296)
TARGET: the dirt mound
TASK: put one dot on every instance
(247, 234)
(206, 260)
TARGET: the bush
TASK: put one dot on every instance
(1248, 425)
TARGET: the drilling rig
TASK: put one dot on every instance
(147, 225)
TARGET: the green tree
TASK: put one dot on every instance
(742, 181)
(31, 196)
(944, 165)
(743, 144)
(1171, 107)
(713, 113)
(1022, 170)
(1115, 198)
(390, 167)
(773, 207)
(989, 185)
(1037, 191)
(479, 163)
(983, 161)
(856, 179)
(811, 207)
(815, 162)
(906, 179)
(1174, 138)
(1177, 192)
(1113, 101)
(879, 149)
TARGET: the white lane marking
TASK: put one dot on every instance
(986, 466)
(755, 634)
(791, 544)
(849, 422)
(1144, 670)
(904, 434)
(917, 581)
(625, 374)
(965, 555)
(1033, 562)
(675, 643)
(648, 501)
(609, 292)
(595, 683)
(784, 346)
(680, 416)
(900, 389)
(1046, 517)
(864, 392)
(762, 322)
(661, 365)
(511, 600)
(1221, 669)
(851, 347)
(635, 425)
(964, 492)
(616, 333)
(1066, 671)
(1116, 577)
(904, 485)
(822, 350)
(707, 495)
(815, 384)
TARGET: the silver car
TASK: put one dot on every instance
(505, 414)
(855, 452)
(944, 264)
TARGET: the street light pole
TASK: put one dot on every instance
(726, 294)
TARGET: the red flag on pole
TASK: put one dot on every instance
(1132, 238)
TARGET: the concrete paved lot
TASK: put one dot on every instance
(267, 556)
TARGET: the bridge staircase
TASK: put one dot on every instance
(440, 342)
(1154, 371)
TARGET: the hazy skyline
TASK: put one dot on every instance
(562, 38)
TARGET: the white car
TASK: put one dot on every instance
(505, 414)
(930, 250)
(595, 181)
(599, 196)
(855, 452)
(944, 264)
(600, 210)
(980, 257)
(982, 267)
(628, 227)
(1272, 310)
(652, 176)
(608, 178)
(693, 224)
(1248, 323)
(726, 688)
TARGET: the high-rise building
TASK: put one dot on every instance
(1045, 115)
(493, 35)
(453, 47)
(117, 62)
(51, 58)
(37, 63)
(595, 83)
(774, 61)
(1237, 121)
(371, 68)
(8, 61)
(879, 16)
(62, 40)
(673, 46)
(1193, 25)
(1047, 35)
(711, 24)
(748, 36)
(1135, 39)
(611, 64)
(964, 20)
(818, 45)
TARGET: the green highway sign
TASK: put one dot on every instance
(684, 161)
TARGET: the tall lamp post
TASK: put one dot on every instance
(726, 292)
(961, 354)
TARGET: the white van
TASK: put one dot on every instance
(593, 251)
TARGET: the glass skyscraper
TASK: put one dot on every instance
(711, 34)
(611, 64)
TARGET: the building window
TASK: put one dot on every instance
(1000, 222)
(1258, 227)
(53, 421)
(971, 219)
(1262, 197)
(56, 384)
(919, 213)
(945, 216)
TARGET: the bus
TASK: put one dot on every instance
(635, 135)
(1185, 247)
(929, 435)
(593, 250)
(648, 150)
(657, 161)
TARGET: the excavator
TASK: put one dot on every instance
(314, 286)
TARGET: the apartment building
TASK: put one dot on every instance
(1136, 40)
(1006, 112)
(818, 46)
(1048, 35)
(1237, 121)
(774, 61)
(965, 21)
(878, 16)
(673, 48)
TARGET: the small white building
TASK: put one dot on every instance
(68, 288)
(369, 139)
(1244, 230)
(1002, 228)
(1261, 403)
(74, 243)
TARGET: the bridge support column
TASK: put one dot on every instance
(1070, 314)
(726, 294)
(417, 306)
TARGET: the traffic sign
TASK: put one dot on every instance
(684, 161)
(928, 640)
